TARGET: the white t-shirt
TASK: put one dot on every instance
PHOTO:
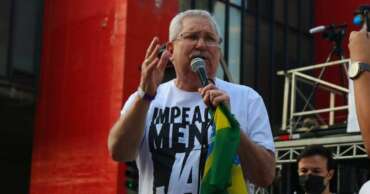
(352, 122)
(175, 129)
(365, 188)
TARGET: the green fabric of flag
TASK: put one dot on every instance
(222, 175)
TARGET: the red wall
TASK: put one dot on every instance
(90, 55)
(337, 12)
(333, 12)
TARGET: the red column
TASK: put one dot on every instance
(91, 50)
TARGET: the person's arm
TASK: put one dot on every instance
(256, 148)
(258, 163)
(126, 134)
(362, 100)
(359, 47)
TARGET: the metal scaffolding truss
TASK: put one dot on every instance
(294, 78)
(343, 147)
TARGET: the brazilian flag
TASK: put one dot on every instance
(223, 173)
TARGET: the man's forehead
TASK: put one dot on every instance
(191, 22)
(197, 17)
(313, 161)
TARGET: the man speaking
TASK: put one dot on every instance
(168, 128)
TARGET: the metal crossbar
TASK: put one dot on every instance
(291, 116)
(343, 147)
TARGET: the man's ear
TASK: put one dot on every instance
(331, 173)
(169, 48)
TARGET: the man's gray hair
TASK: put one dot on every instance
(176, 22)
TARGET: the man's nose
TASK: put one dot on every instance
(309, 172)
(201, 43)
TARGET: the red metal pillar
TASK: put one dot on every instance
(90, 55)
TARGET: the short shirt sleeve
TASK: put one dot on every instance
(128, 103)
(127, 106)
(258, 124)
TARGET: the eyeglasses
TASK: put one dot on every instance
(209, 39)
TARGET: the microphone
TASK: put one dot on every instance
(324, 28)
(317, 29)
(198, 65)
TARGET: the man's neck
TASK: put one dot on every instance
(187, 86)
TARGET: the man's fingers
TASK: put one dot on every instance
(212, 96)
(220, 99)
(151, 66)
(153, 55)
(215, 97)
(151, 47)
(150, 59)
(206, 99)
(208, 87)
(156, 63)
(216, 101)
(163, 60)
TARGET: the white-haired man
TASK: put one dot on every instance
(165, 127)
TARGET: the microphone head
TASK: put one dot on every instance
(197, 63)
(317, 29)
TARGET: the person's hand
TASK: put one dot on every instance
(152, 69)
(359, 46)
(212, 96)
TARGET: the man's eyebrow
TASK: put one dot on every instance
(205, 32)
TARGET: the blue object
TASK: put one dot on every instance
(357, 20)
